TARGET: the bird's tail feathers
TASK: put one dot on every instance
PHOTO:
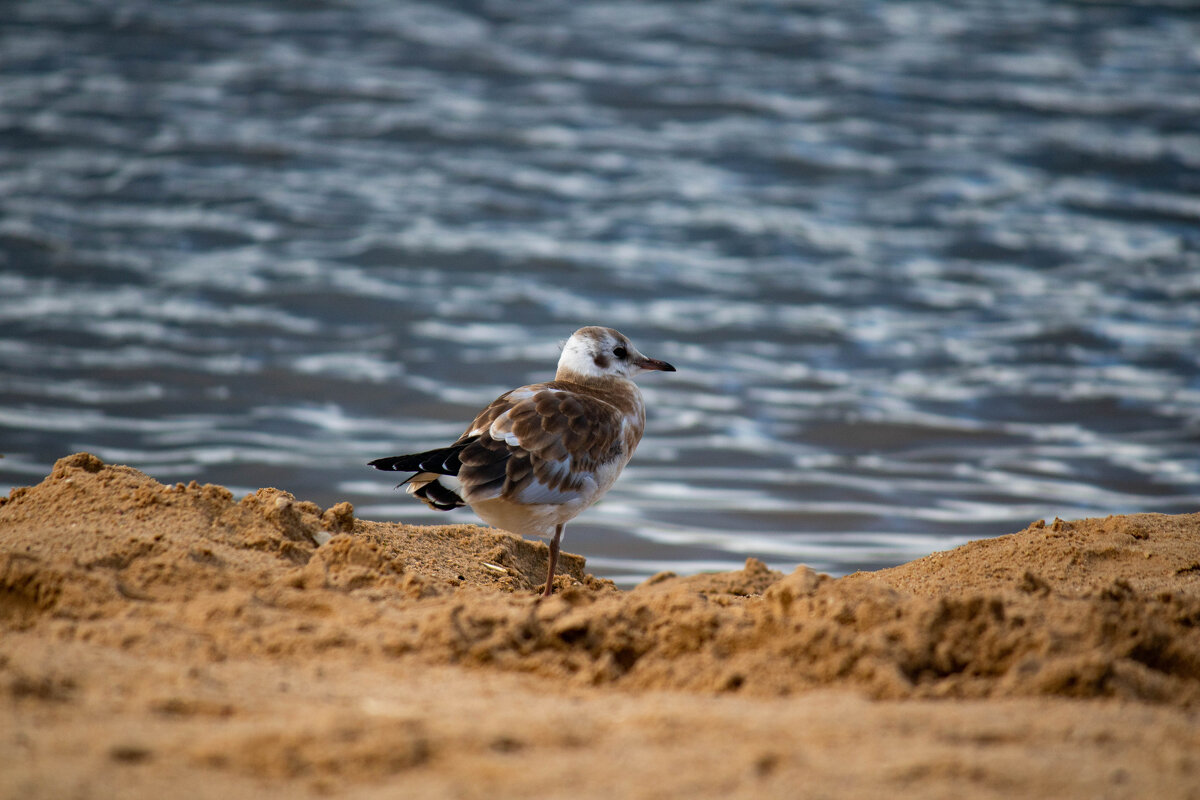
(428, 467)
(426, 487)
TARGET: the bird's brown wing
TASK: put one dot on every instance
(543, 444)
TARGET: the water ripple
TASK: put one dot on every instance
(928, 271)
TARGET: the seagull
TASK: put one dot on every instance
(539, 455)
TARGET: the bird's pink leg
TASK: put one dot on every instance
(554, 543)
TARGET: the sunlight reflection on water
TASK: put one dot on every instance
(928, 272)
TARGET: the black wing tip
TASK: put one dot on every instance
(442, 461)
(397, 464)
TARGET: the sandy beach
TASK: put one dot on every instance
(160, 640)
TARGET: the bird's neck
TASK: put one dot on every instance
(621, 392)
(570, 375)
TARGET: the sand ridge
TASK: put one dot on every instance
(384, 633)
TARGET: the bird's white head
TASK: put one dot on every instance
(595, 352)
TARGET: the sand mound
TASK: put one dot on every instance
(1095, 608)
(102, 565)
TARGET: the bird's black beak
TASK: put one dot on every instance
(654, 363)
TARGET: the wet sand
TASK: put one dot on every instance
(175, 641)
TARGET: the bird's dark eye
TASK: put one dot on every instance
(620, 352)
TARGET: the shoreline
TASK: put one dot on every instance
(162, 637)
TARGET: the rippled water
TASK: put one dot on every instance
(929, 271)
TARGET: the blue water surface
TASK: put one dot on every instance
(929, 270)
